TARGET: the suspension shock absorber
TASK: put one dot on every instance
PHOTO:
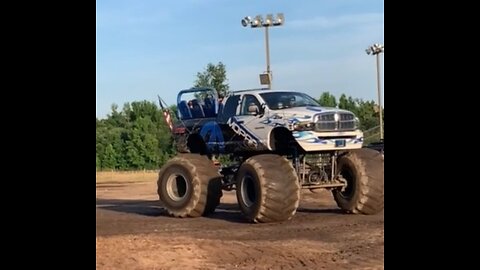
(304, 168)
(296, 161)
(334, 165)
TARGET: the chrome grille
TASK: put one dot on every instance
(331, 121)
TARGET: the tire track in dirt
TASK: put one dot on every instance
(133, 232)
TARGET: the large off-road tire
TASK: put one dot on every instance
(267, 188)
(363, 169)
(189, 185)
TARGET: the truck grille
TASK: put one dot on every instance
(332, 121)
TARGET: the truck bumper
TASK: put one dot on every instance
(312, 141)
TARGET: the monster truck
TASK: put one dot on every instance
(277, 143)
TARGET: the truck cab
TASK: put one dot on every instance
(262, 120)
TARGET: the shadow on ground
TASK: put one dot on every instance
(153, 208)
(320, 211)
(139, 207)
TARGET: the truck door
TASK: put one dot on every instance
(249, 123)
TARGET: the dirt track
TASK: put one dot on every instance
(134, 232)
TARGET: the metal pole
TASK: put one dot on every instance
(379, 96)
(268, 56)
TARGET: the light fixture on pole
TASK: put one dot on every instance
(376, 49)
(257, 22)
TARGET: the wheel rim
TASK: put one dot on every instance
(177, 187)
(349, 177)
(248, 193)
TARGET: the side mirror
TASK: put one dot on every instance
(253, 109)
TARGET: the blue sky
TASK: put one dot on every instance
(146, 48)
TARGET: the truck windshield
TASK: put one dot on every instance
(282, 100)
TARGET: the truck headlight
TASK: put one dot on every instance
(299, 126)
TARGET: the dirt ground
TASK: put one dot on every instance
(134, 232)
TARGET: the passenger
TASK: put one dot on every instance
(220, 98)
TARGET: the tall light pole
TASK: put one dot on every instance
(376, 49)
(258, 21)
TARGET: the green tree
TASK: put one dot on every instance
(214, 76)
(327, 100)
(133, 153)
(99, 165)
(347, 103)
(142, 109)
(109, 160)
(116, 136)
(116, 118)
(367, 115)
(135, 138)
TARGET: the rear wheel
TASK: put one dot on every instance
(189, 185)
(363, 170)
(267, 188)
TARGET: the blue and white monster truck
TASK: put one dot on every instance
(278, 142)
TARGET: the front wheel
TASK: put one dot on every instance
(267, 188)
(363, 171)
